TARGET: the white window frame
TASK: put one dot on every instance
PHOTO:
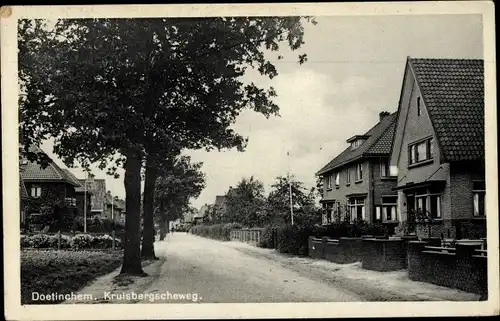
(359, 172)
(337, 179)
(476, 193)
(354, 203)
(426, 199)
(329, 182)
(414, 156)
(392, 206)
(385, 169)
(36, 191)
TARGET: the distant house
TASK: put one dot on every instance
(220, 206)
(98, 196)
(49, 184)
(202, 214)
(80, 196)
(438, 151)
(123, 211)
(357, 184)
(112, 208)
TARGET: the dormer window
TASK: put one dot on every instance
(357, 141)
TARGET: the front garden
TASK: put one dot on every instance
(48, 271)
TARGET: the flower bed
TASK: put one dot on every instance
(62, 272)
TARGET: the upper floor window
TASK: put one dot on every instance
(329, 182)
(419, 111)
(337, 179)
(348, 175)
(421, 151)
(359, 172)
(479, 198)
(36, 191)
(385, 168)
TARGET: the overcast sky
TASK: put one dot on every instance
(354, 71)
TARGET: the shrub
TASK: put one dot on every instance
(294, 239)
(267, 237)
(40, 241)
(26, 241)
(217, 231)
(82, 241)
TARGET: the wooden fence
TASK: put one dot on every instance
(247, 235)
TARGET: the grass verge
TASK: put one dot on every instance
(62, 272)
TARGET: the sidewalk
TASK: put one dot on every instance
(372, 285)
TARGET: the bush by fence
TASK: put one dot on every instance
(220, 232)
(75, 242)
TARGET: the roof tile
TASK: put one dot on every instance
(453, 92)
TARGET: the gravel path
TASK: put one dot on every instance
(196, 269)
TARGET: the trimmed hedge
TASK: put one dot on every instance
(220, 232)
(294, 239)
(77, 242)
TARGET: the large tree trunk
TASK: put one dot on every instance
(132, 252)
(162, 221)
(148, 251)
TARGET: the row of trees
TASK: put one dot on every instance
(248, 204)
(134, 93)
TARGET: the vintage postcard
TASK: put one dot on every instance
(249, 161)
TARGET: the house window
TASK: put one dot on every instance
(378, 213)
(479, 198)
(428, 204)
(421, 151)
(418, 107)
(359, 172)
(390, 208)
(384, 168)
(348, 175)
(357, 208)
(337, 179)
(36, 191)
(357, 143)
(328, 218)
(329, 182)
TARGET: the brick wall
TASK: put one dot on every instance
(343, 250)
(461, 270)
(462, 176)
(383, 255)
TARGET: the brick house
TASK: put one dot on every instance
(80, 195)
(438, 148)
(357, 184)
(112, 208)
(49, 184)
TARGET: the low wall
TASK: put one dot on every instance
(384, 255)
(463, 267)
(343, 250)
(246, 235)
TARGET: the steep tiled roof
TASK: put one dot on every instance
(73, 178)
(220, 200)
(378, 143)
(22, 187)
(453, 93)
(34, 172)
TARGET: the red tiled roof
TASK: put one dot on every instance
(453, 93)
(378, 143)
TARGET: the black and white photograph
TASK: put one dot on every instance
(258, 160)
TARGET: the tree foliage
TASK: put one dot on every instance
(245, 203)
(111, 91)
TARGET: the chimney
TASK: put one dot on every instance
(383, 115)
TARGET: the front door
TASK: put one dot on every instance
(410, 212)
